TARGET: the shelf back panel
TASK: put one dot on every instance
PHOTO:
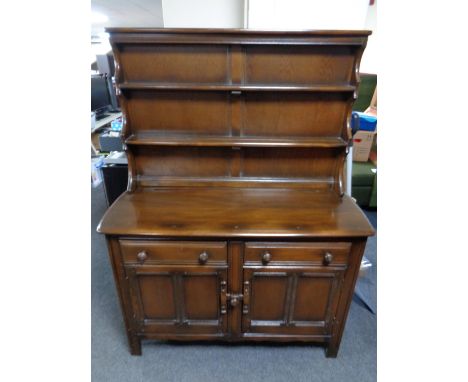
(237, 163)
(298, 65)
(237, 64)
(250, 114)
(206, 113)
(175, 63)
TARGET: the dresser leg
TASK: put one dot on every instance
(135, 345)
(331, 351)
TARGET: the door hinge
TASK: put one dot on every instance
(223, 296)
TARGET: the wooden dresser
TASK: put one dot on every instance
(235, 225)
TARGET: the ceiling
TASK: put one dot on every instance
(127, 13)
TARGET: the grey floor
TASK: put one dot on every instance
(204, 362)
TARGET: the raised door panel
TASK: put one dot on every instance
(174, 63)
(201, 296)
(290, 301)
(313, 292)
(157, 296)
(178, 300)
(267, 303)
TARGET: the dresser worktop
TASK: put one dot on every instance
(235, 212)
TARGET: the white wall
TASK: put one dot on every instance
(203, 13)
(307, 14)
(369, 59)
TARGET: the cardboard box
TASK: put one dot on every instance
(362, 144)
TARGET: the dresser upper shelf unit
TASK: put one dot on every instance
(235, 107)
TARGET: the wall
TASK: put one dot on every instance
(369, 59)
(307, 14)
(203, 13)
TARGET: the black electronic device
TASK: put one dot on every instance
(100, 97)
(105, 64)
(115, 180)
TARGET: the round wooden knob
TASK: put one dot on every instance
(266, 257)
(234, 301)
(203, 258)
(327, 258)
(142, 256)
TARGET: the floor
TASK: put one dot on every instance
(166, 361)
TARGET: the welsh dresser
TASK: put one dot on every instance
(235, 225)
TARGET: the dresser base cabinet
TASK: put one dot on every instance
(234, 225)
(235, 290)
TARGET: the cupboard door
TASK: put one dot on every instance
(179, 300)
(290, 300)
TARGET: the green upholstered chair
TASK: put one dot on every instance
(364, 184)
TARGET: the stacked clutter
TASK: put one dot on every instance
(364, 127)
(364, 171)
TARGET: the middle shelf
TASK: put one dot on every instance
(155, 139)
(149, 85)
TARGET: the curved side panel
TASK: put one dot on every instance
(355, 80)
(125, 133)
(338, 184)
(131, 186)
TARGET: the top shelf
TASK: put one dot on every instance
(312, 32)
(146, 85)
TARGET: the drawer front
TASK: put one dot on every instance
(173, 252)
(328, 254)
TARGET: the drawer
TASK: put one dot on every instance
(333, 253)
(173, 252)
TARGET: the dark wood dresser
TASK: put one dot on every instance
(235, 225)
